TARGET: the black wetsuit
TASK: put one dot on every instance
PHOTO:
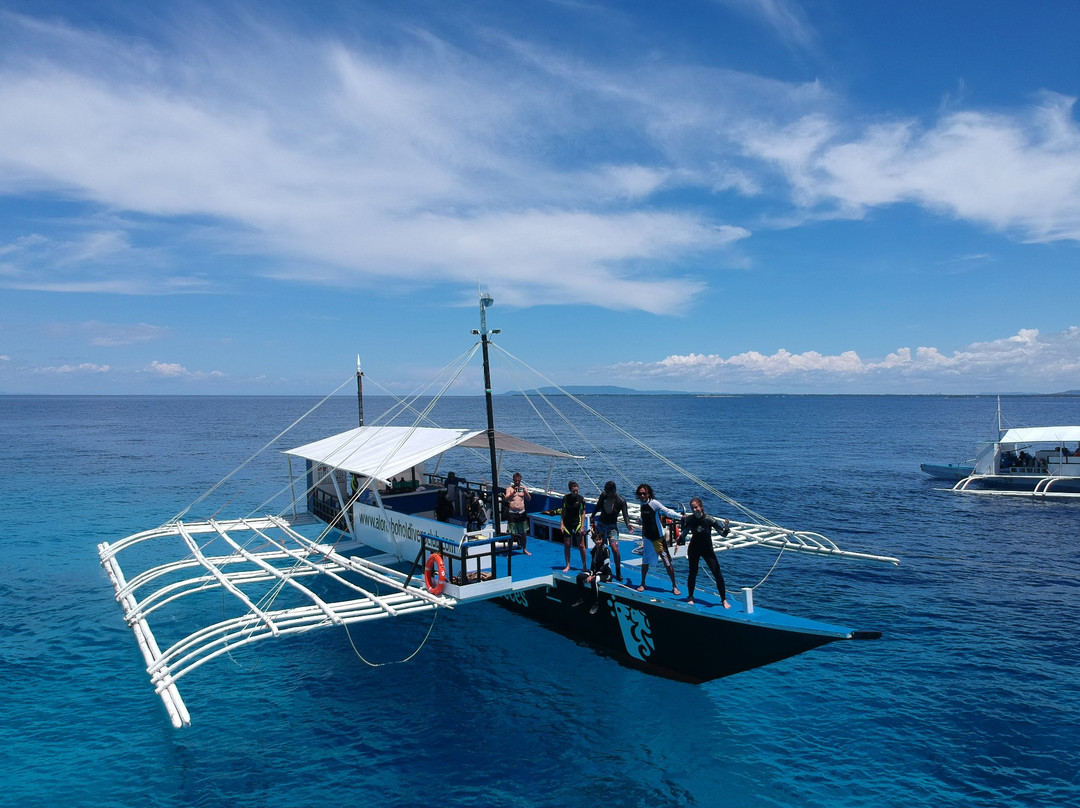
(606, 518)
(600, 566)
(477, 515)
(608, 509)
(700, 529)
(573, 512)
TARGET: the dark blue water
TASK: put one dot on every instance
(970, 699)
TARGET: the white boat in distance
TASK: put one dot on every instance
(1027, 461)
(359, 541)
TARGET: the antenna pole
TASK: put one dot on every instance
(360, 390)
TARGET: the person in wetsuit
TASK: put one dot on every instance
(700, 527)
(599, 570)
(653, 533)
(572, 523)
(476, 513)
(606, 520)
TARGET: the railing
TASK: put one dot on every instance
(326, 507)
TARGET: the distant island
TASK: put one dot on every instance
(612, 390)
(597, 390)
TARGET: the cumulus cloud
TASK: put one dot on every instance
(174, 370)
(1050, 362)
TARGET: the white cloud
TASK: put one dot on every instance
(111, 335)
(785, 17)
(343, 163)
(85, 367)
(102, 261)
(418, 166)
(1016, 172)
(1043, 363)
(174, 370)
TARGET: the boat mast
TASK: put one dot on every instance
(360, 390)
(487, 301)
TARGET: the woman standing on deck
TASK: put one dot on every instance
(653, 533)
(700, 526)
(572, 523)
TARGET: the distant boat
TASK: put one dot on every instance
(947, 471)
(1027, 461)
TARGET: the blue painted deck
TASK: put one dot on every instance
(545, 564)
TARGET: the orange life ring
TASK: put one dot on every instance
(435, 562)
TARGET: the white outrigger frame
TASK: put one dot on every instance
(167, 666)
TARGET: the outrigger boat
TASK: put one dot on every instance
(359, 542)
(1027, 462)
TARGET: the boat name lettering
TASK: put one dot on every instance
(398, 527)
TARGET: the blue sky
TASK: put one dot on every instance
(720, 195)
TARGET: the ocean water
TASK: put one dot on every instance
(969, 699)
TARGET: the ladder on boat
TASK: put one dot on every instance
(256, 579)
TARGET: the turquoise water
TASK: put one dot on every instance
(968, 700)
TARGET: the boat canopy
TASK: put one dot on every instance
(383, 452)
(1041, 434)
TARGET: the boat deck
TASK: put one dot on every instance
(547, 561)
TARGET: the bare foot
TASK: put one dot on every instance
(566, 569)
(727, 605)
(675, 591)
(641, 588)
(526, 552)
(690, 601)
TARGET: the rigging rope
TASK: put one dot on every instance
(235, 471)
(370, 664)
(670, 463)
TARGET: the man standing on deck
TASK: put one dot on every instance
(572, 524)
(606, 520)
(516, 495)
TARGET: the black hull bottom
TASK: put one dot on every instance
(663, 640)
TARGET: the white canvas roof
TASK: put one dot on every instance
(383, 452)
(1042, 434)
